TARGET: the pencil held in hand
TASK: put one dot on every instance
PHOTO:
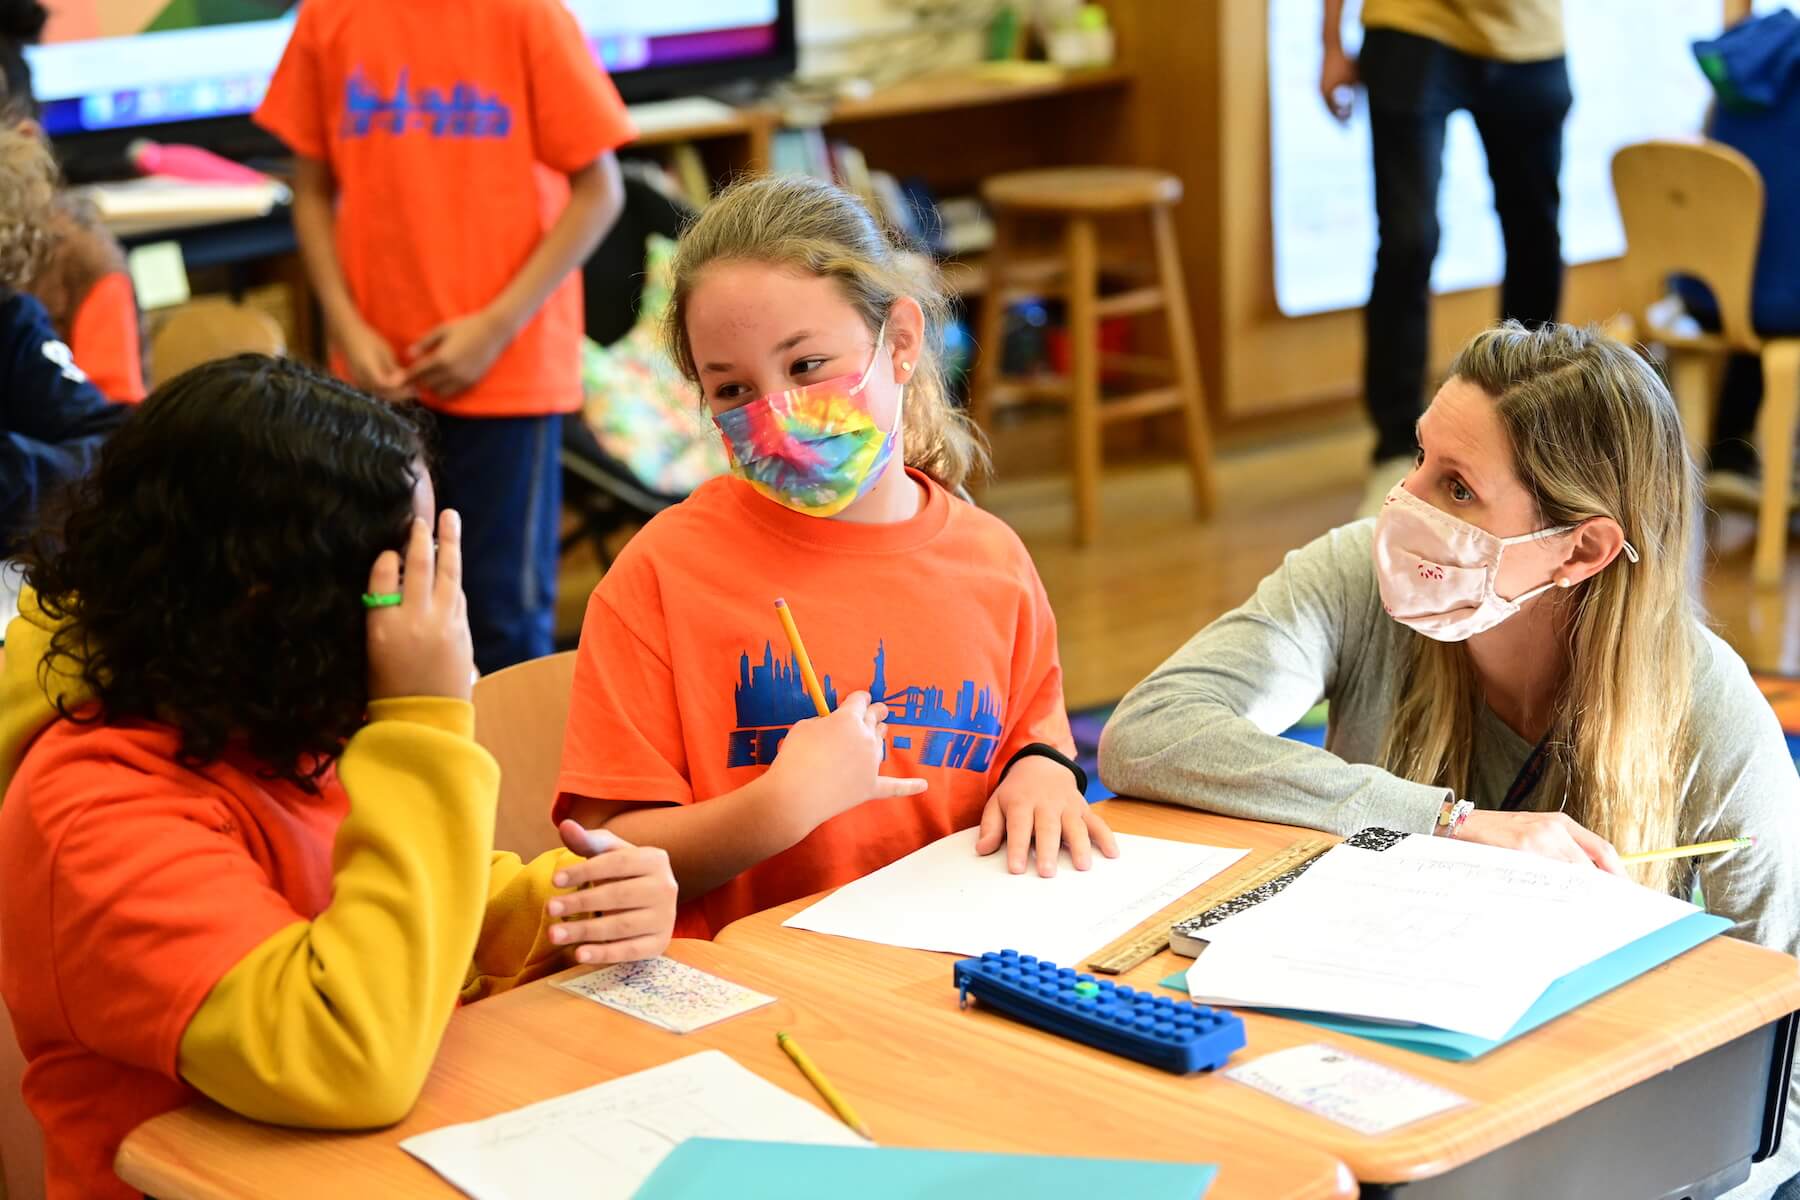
(807, 675)
(1693, 851)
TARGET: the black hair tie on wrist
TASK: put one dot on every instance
(1040, 750)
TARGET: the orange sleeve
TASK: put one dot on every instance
(107, 339)
(296, 108)
(1038, 710)
(623, 740)
(576, 112)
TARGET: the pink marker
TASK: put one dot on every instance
(190, 163)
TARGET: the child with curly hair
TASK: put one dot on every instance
(245, 850)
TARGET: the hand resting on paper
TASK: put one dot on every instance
(1038, 801)
(623, 905)
(1549, 835)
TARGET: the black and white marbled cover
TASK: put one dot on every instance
(1372, 838)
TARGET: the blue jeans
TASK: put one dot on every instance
(1414, 84)
(503, 474)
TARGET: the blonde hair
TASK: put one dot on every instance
(820, 229)
(27, 191)
(1594, 434)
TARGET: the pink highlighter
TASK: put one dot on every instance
(188, 162)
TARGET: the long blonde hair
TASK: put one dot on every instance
(1594, 433)
(27, 191)
(823, 230)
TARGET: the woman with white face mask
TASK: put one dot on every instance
(1511, 652)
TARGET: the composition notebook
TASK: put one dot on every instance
(1442, 947)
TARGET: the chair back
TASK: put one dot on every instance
(21, 1140)
(1690, 207)
(206, 330)
(519, 717)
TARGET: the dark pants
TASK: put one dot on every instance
(503, 475)
(1414, 84)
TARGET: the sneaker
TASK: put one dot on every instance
(1382, 478)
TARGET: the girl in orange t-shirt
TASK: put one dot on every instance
(815, 342)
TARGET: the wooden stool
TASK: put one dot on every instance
(1079, 198)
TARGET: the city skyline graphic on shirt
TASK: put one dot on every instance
(771, 696)
(460, 111)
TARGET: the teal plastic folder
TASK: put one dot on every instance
(1571, 991)
(711, 1167)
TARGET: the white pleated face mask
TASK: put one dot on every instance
(1437, 572)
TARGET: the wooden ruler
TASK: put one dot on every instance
(1138, 947)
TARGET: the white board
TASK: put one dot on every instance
(1633, 75)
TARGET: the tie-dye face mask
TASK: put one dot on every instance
(813, 449)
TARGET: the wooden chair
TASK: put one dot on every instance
(1695, 207)
(1079, 199)
(209, 329)
(21, 1140)
(519, 717)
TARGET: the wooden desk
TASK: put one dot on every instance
(1725, 1003)
(917, 1080)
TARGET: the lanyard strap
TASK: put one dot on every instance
(1526, 781)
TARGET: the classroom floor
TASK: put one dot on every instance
(1155, 575)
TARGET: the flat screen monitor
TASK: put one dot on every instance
(115, 68)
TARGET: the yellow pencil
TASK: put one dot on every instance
(806, 668)
(1689, 851)
(839, 1105)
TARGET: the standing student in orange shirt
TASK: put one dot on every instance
(815, 343)
(454, 167)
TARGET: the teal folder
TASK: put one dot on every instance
(710, 1167)
(1571, 991)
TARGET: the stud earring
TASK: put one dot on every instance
(1564, 582)
(907, 367)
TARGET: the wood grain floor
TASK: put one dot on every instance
(1155, 575)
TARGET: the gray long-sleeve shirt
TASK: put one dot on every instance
(1204, 731)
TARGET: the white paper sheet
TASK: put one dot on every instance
(1431, 932)
(947, 897)
(604, 1141)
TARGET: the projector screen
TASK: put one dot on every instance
(1633, 75)
(113, 64)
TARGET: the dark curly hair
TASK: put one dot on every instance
(208, 574)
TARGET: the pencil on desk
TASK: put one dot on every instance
(839, 1105)
(806, 668)
(1698, 848)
